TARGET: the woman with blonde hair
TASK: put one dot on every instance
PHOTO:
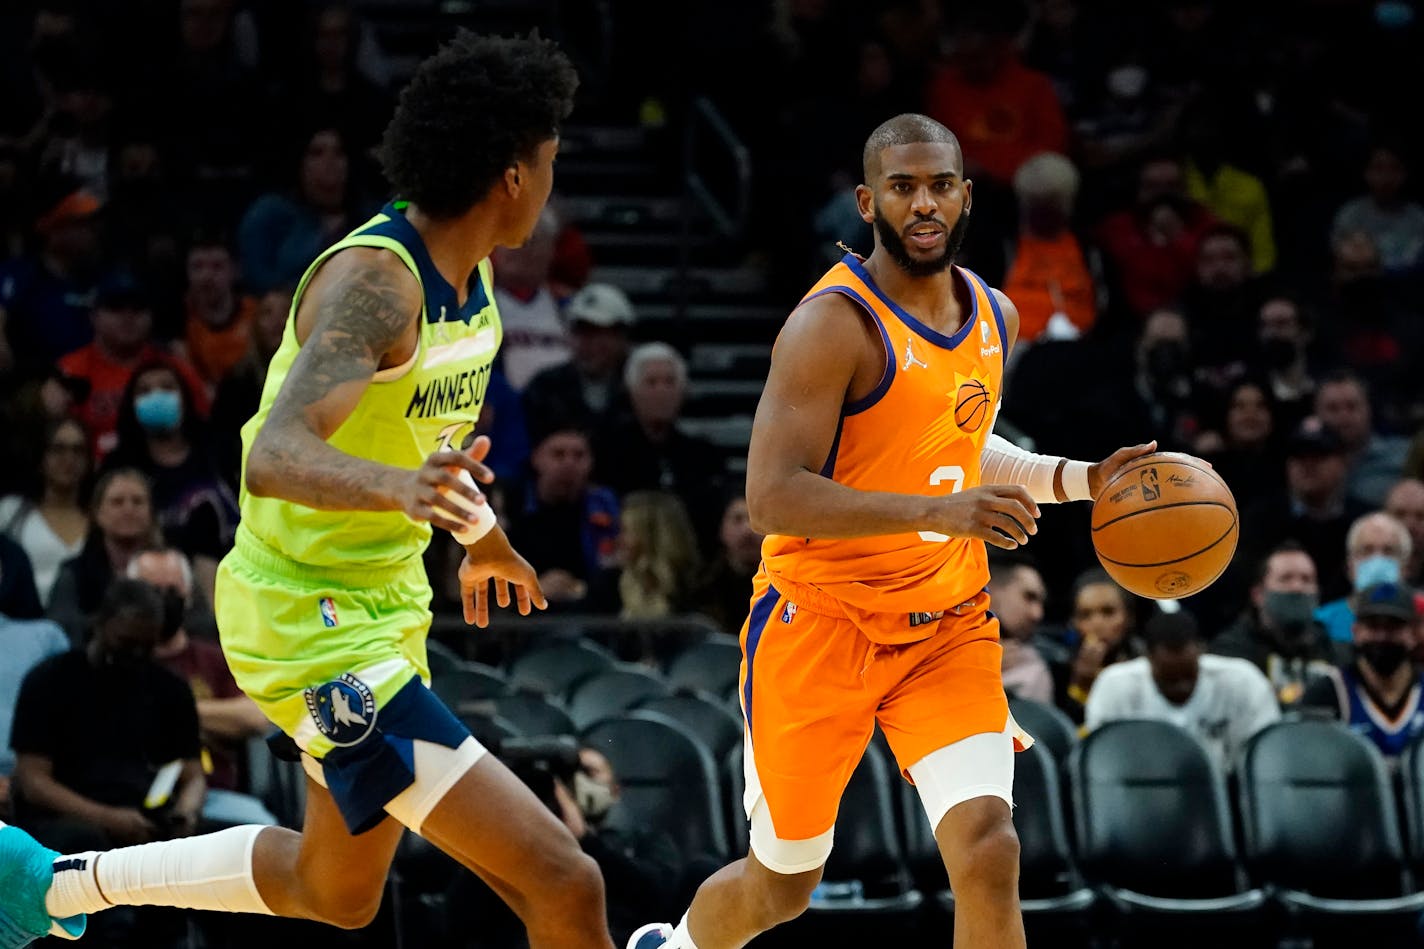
(659, 553)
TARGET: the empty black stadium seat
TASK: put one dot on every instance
(554, 666)
(612, 692)
(712, 665)
(534, 714)
(469, 686)
(704, 716)
(1048, 726)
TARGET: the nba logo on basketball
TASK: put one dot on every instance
(328, 611)
(1150, 490)
(788, 613)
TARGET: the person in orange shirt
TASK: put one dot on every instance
(95, 375)
(1005, 112)
(218, 319)
(875, 475)
(1049, 274)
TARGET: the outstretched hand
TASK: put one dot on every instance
(491, 558)
(1101, 473)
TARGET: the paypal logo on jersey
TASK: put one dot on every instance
(328, 612)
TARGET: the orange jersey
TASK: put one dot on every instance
(920, 431)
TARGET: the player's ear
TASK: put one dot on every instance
(968, 195)
(512, 180)
(865, 200)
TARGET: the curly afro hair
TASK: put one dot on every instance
(470, 111)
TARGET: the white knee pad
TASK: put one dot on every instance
(977, 766)
(437, 768)
(777, 855)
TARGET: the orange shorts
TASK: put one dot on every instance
(813, 685)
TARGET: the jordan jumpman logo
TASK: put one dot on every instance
(911, 359)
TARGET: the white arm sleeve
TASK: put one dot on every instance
(1003, 462)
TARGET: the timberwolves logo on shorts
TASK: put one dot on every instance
(344, 710)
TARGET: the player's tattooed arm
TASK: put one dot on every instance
(359, 312)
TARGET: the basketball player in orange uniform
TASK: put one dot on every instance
(873, 473)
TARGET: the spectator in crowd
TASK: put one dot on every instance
(26, 643)
(1385, 213)
(658, 556)
(1235, 196)
(87, 753)
(646, 450)
(1315, 510)
(724, 592)
(1048, 273)
(80, 145)
(1219, 700)
(1160, 399)
(18, 597)
(121, 525)
(566, 526)
(535, 335)
(1221, 304)
(1152, 246)
(502, 419)
(1405, 503)
(1244, 450)
(1283, 336)
(1377, 547)
(1342, 403)
(1377, 694)
(1017, 593)
(160, 435)
(226, 717)
(332, 83)
(641, 867)
(240, 391)
(1101, 633)
(218, 318)
(589, 387)
(45, 298)
(282, 233)
(1278, 631)
(50, 523)
(1374, 328)
(123, 340)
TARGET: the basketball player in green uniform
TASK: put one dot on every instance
(363, 441)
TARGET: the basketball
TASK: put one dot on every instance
(971, 405)
(1165, 526)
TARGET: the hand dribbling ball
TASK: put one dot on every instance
(1165, 526)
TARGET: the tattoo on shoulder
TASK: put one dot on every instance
(359, 319)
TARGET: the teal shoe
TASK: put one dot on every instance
(26, 870)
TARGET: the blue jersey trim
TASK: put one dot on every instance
(756, 623)
(888, 376)
(441, 300)
(998, 314)
(935, 337)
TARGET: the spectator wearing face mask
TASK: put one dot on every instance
(1219, 700)
(1278, 630)
(1284, 332)
(1377, 694)
(1376, 549)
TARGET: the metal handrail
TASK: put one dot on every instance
(730, 221)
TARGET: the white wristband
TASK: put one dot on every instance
(1075, 481)
(484, 514)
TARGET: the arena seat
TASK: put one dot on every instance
(554, 666)
(534, 714)
(1319, 823)
(1154, 835)
(701, 714)
(441, 658)
(669, 781)
(468, 685)
(613, 691)
(712, 665)
(1048, 726)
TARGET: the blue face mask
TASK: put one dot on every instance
(1376, 569)
(160, 410)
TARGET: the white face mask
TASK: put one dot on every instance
(594, 798)
(1127, 82)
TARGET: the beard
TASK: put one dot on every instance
(895, 246)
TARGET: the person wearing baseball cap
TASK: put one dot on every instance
(589, 387)
(1378, 694)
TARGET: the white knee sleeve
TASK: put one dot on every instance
(977, 766)
(212, 872)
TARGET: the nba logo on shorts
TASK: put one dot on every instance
(328, 612)
(788, 613)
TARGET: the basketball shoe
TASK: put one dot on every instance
(26, 869)
(650, 936)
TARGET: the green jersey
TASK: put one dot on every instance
(409, 411)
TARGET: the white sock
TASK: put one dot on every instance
(212, 872)
(681, 938)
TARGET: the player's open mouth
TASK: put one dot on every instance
(926, 236)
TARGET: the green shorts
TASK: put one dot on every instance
(287, 629)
